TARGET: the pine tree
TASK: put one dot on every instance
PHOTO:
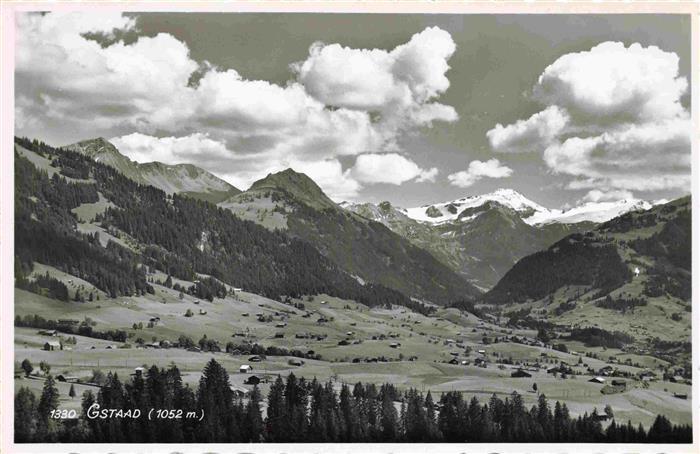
(71, 392)
(26, 417)
(27, 367)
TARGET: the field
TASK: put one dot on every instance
(420, 361)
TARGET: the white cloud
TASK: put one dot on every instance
(597, 195)
(196, 148)
(478, 170)
(389, 168)
(339, 101)
(612, 82)
(379, 80)
(635, 157)
(613, 120)
(533, 134)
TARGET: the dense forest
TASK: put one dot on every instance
(576, 260)
(299, 410)
(180, 235)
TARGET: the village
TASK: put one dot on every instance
(257, 339)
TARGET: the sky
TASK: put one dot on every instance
(413, 109)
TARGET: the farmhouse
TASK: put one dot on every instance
(66, 378)
(598, 380)
(244, 369)
(520, 374)
(279, 335)
(52, 345)
(252, 380)
(295, 362)
(48, 332)
(138, 371)
(395, 344)
(683, 396)
(239, 391)
(255, 359)
(453, 361)
(281, 325)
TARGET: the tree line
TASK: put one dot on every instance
(300, 410)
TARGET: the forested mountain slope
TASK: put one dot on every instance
(367, 249)
(179, 235)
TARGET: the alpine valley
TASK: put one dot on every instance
(115, 259)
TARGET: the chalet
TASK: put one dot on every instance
(350, 333)
(676, 379)
(295, 362)
(324, 302)
(454, 353)
(343, 342)
(683, 396)
(165, 343)
(48, 332)
(138, 371)
(413, 358)
(194, 349)
(245, 314)
(244, 369)
(601, 417)
(597, 380)
(301, 336)
(52, 345)
(255, 359)
(239, 391)
(311, 353)
(619, 383)
(66, 378)
(607, 370)
(453, 361)
(202, 312)
(482, 352)
(252, 380)
(395, 345)
(280, 325)
(520, 374)
(279, 335)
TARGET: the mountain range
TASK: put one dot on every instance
(284, 236)
(478, 237)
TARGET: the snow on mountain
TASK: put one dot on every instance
(441, 213)
(590, 211)
(530, 212)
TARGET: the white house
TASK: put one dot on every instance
(244, 369)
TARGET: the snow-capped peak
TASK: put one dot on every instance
(590, 211)
(440, 213)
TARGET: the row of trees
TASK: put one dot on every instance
(299, 410)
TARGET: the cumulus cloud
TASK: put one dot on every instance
(379, 80)
(612, 82)
(478, 170)
(596, 195)
(533, 134)
(72, 69)
(389, 168)
(195, 148)
(613, 120)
